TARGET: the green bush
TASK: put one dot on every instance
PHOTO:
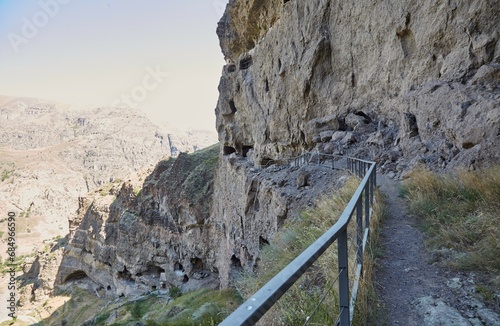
(174, 292)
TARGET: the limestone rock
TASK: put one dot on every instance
(487, 74)
(326, 135)
(303, 179)
(414, 67)
(437, 312)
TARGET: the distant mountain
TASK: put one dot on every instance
(50, 154)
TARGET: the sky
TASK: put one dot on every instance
(162, 56)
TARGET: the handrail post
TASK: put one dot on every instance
(372, 187)
(368, 196)
(343, 279)
(359, 230)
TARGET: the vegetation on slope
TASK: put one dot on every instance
(202, 307)
(460, 215)
(320, 281)
(189, 181)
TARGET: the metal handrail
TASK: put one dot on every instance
(259, 303)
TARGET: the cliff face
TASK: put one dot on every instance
(400, 82)
(434, 65)
(403, 83)
(123, 242)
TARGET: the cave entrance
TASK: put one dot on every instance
(245, 63)
(228, 150)
(246, 149)
(75, 276)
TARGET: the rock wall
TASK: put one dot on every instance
(292, 62)
(404, 83)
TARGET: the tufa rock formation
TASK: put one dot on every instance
(402, 83)
(418, 77)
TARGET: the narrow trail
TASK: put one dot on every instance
(412, 291)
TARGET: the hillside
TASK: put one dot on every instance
(51, 154)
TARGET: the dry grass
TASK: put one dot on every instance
(320, 281)
(460, 212)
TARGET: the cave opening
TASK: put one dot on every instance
(228, 150)
(232, 106)
(235, 261)
(246, 149)
(155, 270)
(178, 267)
(77, 275)
(197, 264)
(125, 274)
(245, 63)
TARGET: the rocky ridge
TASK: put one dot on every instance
(51, 154)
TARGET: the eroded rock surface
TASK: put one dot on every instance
(418, 75)
(403, 83)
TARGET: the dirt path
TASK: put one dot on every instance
(411, 289)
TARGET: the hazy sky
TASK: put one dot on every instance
(162, 56)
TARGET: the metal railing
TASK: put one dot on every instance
(324, 160)
(361, 203)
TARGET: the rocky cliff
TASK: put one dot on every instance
(404, 83)
(420, 77)
(51, 154)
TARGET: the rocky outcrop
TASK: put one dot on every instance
(402, 83)
(299, 68)
(135, 240)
